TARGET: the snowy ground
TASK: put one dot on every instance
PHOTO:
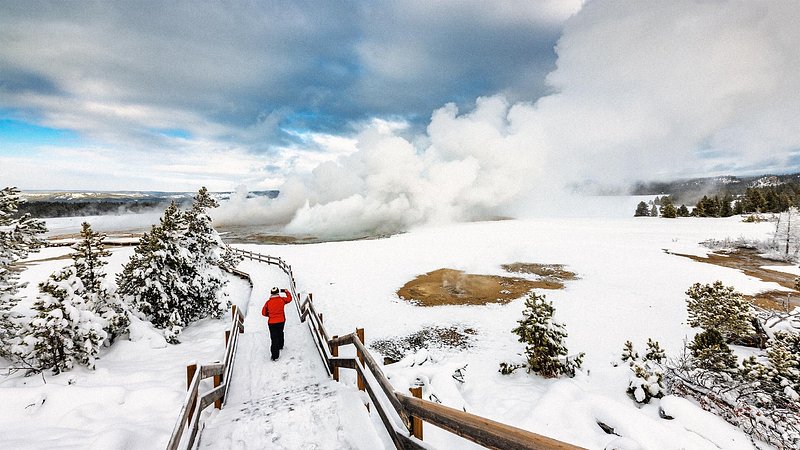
(629, 289)
(130, 401)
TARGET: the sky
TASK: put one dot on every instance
(425, 110)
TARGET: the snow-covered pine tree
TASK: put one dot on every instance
(720, 308)
(654, 352)
(629, 355)
(781, 375)
(646, 381)
(99, 295)
(544, 340)
(206, 245)
(647, 376)
(154, 280)
(64, 331)
(654, 211)
(18, 237)
(710, 352)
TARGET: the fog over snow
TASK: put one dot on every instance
(635, 90)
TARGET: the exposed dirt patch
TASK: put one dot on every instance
(454, 287)
(395, 349)
(554, 272)
(749, 262)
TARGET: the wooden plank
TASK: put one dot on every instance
(360, 354)
(341, 340)
(212, 396)
(387, 423)
(346, 363)
(210, 370)
(480, 430)
(382, 381)
(416, 422)
(183, 415)
(335, 352)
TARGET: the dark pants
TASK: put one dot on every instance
(276, 338)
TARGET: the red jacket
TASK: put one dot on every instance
(273, 308)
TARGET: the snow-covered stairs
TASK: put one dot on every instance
(290, 403)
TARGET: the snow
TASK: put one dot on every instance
(794, 270)
(629, 289)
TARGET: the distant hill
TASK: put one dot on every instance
(691, 190)
(46, 204)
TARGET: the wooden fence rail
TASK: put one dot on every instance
(194, 404)
(399, 412)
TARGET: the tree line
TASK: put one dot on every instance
(764, 199)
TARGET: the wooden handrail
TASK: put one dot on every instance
(483, 431)
(189, 415)
(480, 430)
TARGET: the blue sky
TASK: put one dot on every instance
(173, 95)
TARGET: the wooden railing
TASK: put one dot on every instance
(194, 404)
(402, 415)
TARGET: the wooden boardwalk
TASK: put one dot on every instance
(290, 403)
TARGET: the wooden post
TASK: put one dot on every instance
(320, 317)
(227, 336)
(360, 380)
(190, 371)
(416, 422)
(217, 382)
(335, 352)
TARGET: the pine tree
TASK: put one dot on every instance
(18, 237)
(646, 381)
(725, 208)
(154, 279)
(98, 294)
(174, 276)
(720, 308)
(65, 331)
(668, 209)
(683, 211)
(710, 352)
(647, 377)
(654, 352)
(543, 339)
(654, 211)
(641, 210)
(781, 375)
(628, 353)
(210, 253)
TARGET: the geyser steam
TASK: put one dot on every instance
(642, 90)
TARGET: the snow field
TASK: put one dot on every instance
(629, 288)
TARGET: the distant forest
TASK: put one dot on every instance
(66, 204)
(767, 195)
(48, 209)
(690, 191)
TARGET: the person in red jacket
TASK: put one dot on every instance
(273, 311)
